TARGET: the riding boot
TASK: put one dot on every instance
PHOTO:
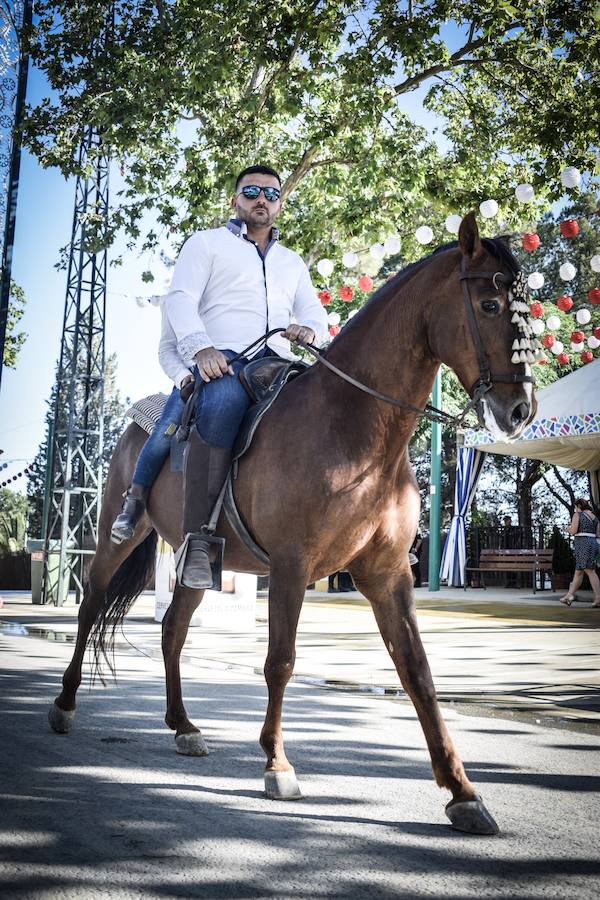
(134, 507)
(205, 470)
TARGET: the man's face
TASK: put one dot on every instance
(258, 213)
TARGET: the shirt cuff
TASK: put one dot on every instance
(192, 344)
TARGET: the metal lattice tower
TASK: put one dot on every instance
(76, 439)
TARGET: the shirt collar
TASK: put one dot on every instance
(239, 228)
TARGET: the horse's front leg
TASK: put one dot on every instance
(392, 600)
(286, 593)
(175, 624)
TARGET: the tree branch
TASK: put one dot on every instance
(555, 493)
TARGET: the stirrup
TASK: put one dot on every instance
(216, 549)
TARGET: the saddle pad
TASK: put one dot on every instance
(147, 411)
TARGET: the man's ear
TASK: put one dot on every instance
(468, 237)
(232, 204)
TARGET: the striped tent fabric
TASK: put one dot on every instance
(468, 469)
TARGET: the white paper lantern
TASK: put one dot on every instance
(350, 259)
(352, 313)
(424, 234)
(593, 342)
(325, 267)
(535, 281)
(333, 318)
(538, 327)
(595, 262)
(488, 209)
(552, 323)
(377, 251)
(392, 244)
(577, 347)
(583, 316)
(567, 271)
(141, 301)
(570, 177)
(452, 223)
(557, 347)
(524, 193)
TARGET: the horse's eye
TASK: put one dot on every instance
(492, 307)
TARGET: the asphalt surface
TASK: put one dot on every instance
(112, 811)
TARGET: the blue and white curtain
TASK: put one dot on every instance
(454, 559)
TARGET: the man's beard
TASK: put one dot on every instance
(257, 218)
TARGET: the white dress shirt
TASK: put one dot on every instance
(172, 363)
(225, 295)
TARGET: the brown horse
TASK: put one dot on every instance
(327, 485)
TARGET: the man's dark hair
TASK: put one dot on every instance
(257, 170)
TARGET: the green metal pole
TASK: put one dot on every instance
(435, 489)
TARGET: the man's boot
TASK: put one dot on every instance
(134, 507)
(205, 471)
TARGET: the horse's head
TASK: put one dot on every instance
(481, 315)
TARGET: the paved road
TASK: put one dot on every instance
(111, 810)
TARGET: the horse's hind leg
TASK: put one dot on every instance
(105, 563)
(175, 626)
(286, 593)
(393, 605)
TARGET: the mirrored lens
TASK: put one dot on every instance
(251, 191)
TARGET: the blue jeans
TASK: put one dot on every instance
(156, 449)
(222, 404)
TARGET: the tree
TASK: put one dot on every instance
(14, 340)
(13, 520)
(185, 94)
(114, 422)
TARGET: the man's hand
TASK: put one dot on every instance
(299, 333)
(212, 364)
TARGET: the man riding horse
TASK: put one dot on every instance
(231, 285)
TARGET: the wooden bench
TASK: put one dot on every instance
(532, 561)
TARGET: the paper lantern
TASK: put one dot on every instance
(155, 300)
(333, 318)
(537, 327)
(577, 346)
(541, 361)
(334, 329)
(596, 333)
(567, 271)
(452, 223)
(595, 262)
(530, 241)
(583, 316)
(141, 301)
(594, 296)
(391, 244)
(488, 209)
(587, 356)
(352, 313)
(524, 193)
(535, 281)
(536, 310)
(325, 267)
(562, 358)
(548, 341)
(569, 228)
(324, 297)
(557, 347)
(593, 342)
(424, 234)
(365, 284)
(570, 177)
(350, 259)
(552, 323)
(377, 251)
(346, 293)
(564, 303)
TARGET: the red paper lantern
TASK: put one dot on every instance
(536, 309)
(334, 329)
(531, 241)
(569, 228)
(596, 333)
(577, 337)
(542, 361)
(324, 297)
(564, 303)
(587, 356)
(365, 284)
(346, 293)
(562, 359)
(548, 341)
(594, 295)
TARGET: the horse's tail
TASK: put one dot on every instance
(124, 588)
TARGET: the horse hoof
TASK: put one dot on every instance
(191, 744)
(471, 816)
(60, 720)
(282, 785)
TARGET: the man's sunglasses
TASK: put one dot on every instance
(252, 191)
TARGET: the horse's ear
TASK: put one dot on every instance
(468, 236)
